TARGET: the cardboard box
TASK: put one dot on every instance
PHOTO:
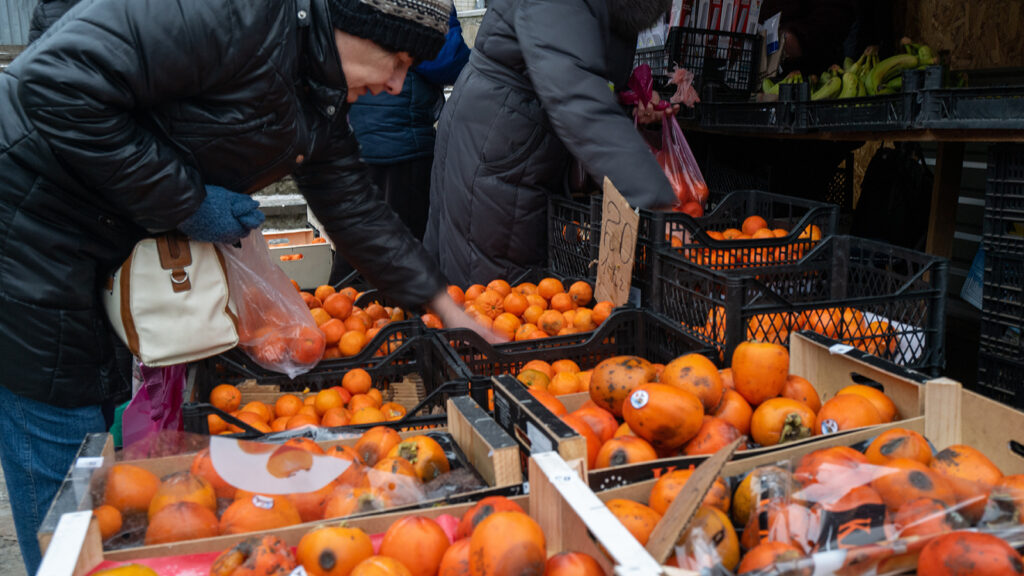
(301, 256)
(487, 448)
(828, 365)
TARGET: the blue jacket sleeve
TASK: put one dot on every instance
(444, 69)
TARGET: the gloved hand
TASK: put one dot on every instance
(224, 216)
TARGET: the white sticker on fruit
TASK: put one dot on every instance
(829, 427)
(638, 399)
(262, 502)
(840, 348)
(300, 571)
(89, 462)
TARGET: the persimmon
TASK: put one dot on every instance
(258, 512)
(903, 479)
(798, 388)
(882, 403)
(924, 517)
(638, 518)
(571, 564)
(714, 434)
(624, 450)
(376, 443)
(835, 466)
(698, 375)
(759, 370)
(593, 442)
(549, 400)
(130, 488)
(781, 420)
(972, 476)
(735, 410)
(615, 378)
(965, 553)
(183, 487)
(1007, 496)
(846, 412)
(665, 416)
(455, 561)
(181, 521)
(333, 550)
(669, 485)
(766, 554)
(310, 505)
(367, 415)
(601, 421)
(202, 466)
(425, 454)
(346, 500)
(482, 509)
(507, 543)
(718, 530)
(109, 520)
(418, 543)
(765, 478)
(899, 443)
(380, 566)
(393, 411)
(726, 375)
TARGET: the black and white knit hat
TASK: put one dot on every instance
(414, 26)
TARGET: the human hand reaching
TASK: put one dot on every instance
(224, 216)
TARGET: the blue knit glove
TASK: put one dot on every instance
(224, 216)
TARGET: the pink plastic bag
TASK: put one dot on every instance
(155, 408)
(275, 327)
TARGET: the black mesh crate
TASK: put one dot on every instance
(748, 116)
(881, 298)
(1001, 378)
(626, 331)
(992, 108)
(868, 113)
(570, 249)
(1002, 316)
(799, 216)
(1003, 225)
(727, 63)
(421, 357)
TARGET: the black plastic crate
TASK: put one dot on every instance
(691, 241)
(627, 331)
(1002, 316)
(1001, 378)
(236, 365)
(1004, 200)
(748, 116)
(727, 63)
(993, 108)
(867, 113)
(421, 356)
(571, 251)
(881, 282)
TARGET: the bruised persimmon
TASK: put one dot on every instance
(183, 487)
(972, 476)
(714, 434)
(614, 378)
(425, 454)
(333, 550)
(455, 561)
(903, 479)
(266, 556)
(624, 450)
(924, 517)
(179, 521)
(375, 444)
(571, 564)
(638, 518)
(258, 512)
(965, 553)
(735, 410)
(347, 500)
(899, 443)
(669, 485)
(506, 544)
(766, 554)
(482, 509)
(697, 375)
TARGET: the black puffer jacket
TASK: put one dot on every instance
(536, 91)
(113, 123)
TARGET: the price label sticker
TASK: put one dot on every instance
(840, 348)
(89, 462)
(619, 224)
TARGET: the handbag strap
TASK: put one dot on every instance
(175, 255)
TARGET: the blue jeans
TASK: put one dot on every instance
(38, 443)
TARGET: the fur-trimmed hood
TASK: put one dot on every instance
(630, 17)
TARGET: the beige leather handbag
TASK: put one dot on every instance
(169, 301)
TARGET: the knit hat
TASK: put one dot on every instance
(414, 26)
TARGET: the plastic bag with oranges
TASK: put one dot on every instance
(275, 328)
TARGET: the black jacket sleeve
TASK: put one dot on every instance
(365, 230)
(86, 88)
(564, 49)
(45, 14)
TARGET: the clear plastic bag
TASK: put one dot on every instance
(681, 169)
(275, 327)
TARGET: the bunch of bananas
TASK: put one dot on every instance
(867, 76)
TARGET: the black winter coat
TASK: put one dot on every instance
(534, 94)
(113, 123)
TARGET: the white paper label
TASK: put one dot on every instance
(829, 427)
(262, 502)
(538, 441)
(840, 349)
(638, 399)
(89, 462)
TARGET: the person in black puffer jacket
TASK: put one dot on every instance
(535, 94)
(134, 117)
(45, 14)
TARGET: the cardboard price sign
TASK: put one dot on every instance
(619, 224)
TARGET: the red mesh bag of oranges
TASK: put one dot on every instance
(275, 328)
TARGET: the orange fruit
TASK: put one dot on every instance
(310, 300)
(432, 321)
(602, 310)
(564, 383)
(320, 316)
(357, 381)
(490, 303)
(323, 291)
(548, 287)
(474, 291)
(581, 293)
(537, 300)
(526, 288)
(551, 322)
(583, 320)
(562, 302)
(753, 224)
(516, 303)
(333, 330)
(215, 424)
(130, 488)
(500, 286)
(336, 416)
(524, 331)
(367, 415)
(257, 407)
(457, 294)
(302, 419)
(564, 365)
(541, 365)
(252, 419)
(532, 313)
(506, 324)
(377, 312)
(327, 399)
(280, 424)
(338, 306)
(225, 397)
(352, 343)
(287, 405)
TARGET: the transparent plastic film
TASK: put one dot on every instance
(275, 327)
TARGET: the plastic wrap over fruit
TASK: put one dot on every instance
(275, 328)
